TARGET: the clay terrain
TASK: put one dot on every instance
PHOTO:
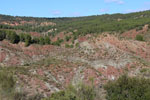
(45, 69)
(48, 68)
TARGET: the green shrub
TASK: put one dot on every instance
(68, 46)
(81, 92)
(47, 40)
(77, 44)
(7, 85)
(139, 38)
(67, 38)
(2, 35)
(6, 81)
(22, 37)
(35, 40)
(24, 96)
(13, 37)
(28, 39)
(143, 70)
(139, 28)
(41, 41)
(127, 88)
(58, 42)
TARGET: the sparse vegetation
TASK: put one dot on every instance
(68, 46)
(58, 42)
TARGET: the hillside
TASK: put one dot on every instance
(46, 55)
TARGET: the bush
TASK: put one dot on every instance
(127, 88)
(35, 40)
(58, 42)
(139, 28)
(77, 44)
(86, 92)
(22, 37)
(6, 82)
(81, 92)
(7, 85)
(67, 38)
(47, 40)
(28, 39)
(13, 37)
(139, 38)
(68, 46)
(41, 41)
(2, 35)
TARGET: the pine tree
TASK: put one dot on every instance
(27, 39)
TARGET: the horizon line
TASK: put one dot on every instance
(71, 16)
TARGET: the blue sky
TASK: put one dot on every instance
(70, 8)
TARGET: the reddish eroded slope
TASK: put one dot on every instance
(100, 59)
(132, 33)
(18, 54)
(35, 34)
(136, 48)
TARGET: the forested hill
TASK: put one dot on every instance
(107, 23)
(83, 25)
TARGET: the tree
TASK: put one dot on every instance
(67, 38)
(35, 40)
(2, 35)
(41, 41)
(13, 37)
(27, 39)
(22, 37)
(47, 40)
(58, 42)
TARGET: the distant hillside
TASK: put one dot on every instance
(83, 25)
(73, 27)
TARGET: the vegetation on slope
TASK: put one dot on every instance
(139, 38)
(7, 84)
(78, 26)
(13, 37)
(84, 25)
(82, 92)
(127, 88)
(124, 88)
